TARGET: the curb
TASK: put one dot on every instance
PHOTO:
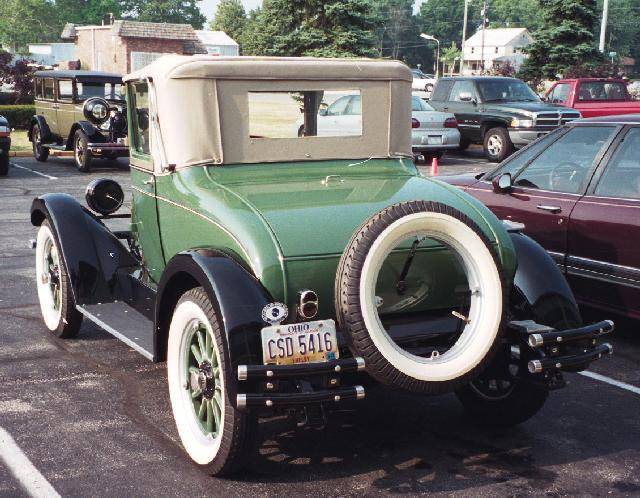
(28, 153)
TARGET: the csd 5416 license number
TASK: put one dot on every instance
(304, 342)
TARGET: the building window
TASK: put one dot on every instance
(496, 50)
(472, 49)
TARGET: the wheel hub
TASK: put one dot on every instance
(203, 380)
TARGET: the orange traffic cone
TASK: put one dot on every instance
(434, 166)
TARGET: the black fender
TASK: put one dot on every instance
(92, 133)
(44, 128)
(94, 258)
(538, 282)
(237, 296)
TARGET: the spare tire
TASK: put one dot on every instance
(468, 352)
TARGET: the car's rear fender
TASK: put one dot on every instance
(237, 296)
(538, 280)
(94, 258)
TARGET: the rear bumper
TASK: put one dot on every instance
(108, 148)
(445, 138)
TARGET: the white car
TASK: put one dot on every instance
(432, 132)
(422, 82)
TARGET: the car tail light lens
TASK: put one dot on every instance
(415, 123)
(5, 131)
(451, 123)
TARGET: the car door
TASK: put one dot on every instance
(65, 113)
(603, 263)
(548, 180)
(466, 111)
(49, 106)
(144, 214)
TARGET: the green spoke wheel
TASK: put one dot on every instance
(213, 432)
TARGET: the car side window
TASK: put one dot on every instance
(140, 118)
(38, 88)
(339, 107)
(48, 89)
(65, 90)
(442, 90)
(560, 93)
(564, 165)
(517, 161)
(622, 176)
(355, 106)
(462, 87)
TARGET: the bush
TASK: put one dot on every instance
(19, 116)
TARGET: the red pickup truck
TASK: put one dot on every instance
(593, 96)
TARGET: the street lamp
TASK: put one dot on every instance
(429, 37)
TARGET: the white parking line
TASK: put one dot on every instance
(34, 171)
(22, 469)
(613, 382)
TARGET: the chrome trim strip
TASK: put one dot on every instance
(206, 218)
(241, 401)
(115, 333)
(242, 372)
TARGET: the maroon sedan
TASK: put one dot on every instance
(577, 191)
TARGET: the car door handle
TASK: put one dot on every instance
(551, 209)
(149, 181)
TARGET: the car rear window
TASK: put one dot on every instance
(601, 90)
(417, 104)
(300, 114)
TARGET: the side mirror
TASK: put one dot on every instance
(502, 183)
(323, 111)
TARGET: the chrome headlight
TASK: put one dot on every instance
(521, 123)
(96, 110)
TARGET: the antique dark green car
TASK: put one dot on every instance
(279, 272)
(80, 111)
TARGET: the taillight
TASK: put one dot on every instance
(5, 131)
(451, 123)
(415, 123)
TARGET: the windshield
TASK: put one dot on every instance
(109, 91)
(417, 104)
(507, 90)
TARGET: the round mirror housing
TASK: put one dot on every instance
(104, 196)
(96, 110)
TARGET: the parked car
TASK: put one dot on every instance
(273, 272)
(5, 145)
(593, 96)
(81, 111)
(503, 114)
(340, 118)
(577, 192)
(432, 132)
(422, 82)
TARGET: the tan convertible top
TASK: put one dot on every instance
(202, 107)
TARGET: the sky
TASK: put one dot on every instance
(208, 7)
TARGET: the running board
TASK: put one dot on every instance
(123, 322)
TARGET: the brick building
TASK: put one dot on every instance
(125, 46)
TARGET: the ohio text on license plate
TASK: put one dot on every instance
(304, 342)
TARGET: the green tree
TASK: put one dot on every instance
(510, 14)
(331, 28)
(397, 31)
(565, 40)
(448, 57)
(231, 18)
(171, 11)
(27, 21)
(623, 35)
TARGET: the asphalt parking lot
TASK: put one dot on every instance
(93, 417)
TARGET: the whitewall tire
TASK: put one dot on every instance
(357, 302)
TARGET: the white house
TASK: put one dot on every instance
(496, 46)
(218, 43)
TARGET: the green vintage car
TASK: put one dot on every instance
(284, 273)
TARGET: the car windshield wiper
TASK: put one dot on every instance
(496, 100)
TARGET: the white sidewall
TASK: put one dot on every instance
(485, 312)
(200, 447)
(50, 315)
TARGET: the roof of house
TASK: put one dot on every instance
(216, 38)
(496, 37)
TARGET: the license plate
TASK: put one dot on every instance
(434, 140)
(306, 342)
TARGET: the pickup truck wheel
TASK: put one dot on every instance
(212, 431)
(479, 336)
(54, 289)
(81, 151)
(40, 152)
(497, 144)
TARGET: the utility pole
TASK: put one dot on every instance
(603, 26)
(464, 33)
(484, 27)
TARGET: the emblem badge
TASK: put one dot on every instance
(274, 313)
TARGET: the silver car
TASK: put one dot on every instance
(433, 132)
